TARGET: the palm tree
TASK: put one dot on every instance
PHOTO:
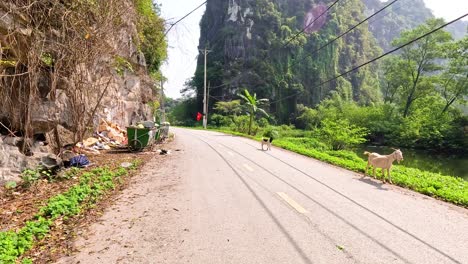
(253, 105)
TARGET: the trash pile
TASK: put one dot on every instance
(108, 135)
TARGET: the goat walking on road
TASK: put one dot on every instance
(383, 161)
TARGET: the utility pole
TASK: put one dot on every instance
(205, 96)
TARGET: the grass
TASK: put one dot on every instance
(444, 187)
(91, 187)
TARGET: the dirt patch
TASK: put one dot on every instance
(21, 204)
(144, 224)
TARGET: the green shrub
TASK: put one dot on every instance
(340, 134)
(30, 177)
(220, 120)
(271, 132)
(151, 34)
(26, 261)
(263, 122)
(241, 124)
(308, 119)
(121, 65)
(10, 185)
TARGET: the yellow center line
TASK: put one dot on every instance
(248, 167)
(292, 203)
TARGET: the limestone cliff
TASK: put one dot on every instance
(64, 65)
(259, 45)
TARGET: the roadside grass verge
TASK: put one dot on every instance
(92, 186)
(443, 187)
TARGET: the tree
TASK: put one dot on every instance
(253, 105)
(231, 108)
(392, 71)
(454, 80)
(418, 61)
(338, 134)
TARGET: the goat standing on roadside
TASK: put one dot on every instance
(267, 141)
(383, 161)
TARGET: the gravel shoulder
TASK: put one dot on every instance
(144, 224)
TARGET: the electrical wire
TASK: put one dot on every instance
(311, 23)
(284, 45)
(328, 43)
(347, 31)
(188, 14)
(376, 58)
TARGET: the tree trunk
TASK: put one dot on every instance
(411, 98)
(448, 104)
(251, 120)
(409, 101)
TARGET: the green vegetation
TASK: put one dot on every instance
(91, 187)
(419, 101)
(10, 185)
(447, 188)
(252, 104)
(340, 133)
(47, 59)
(400, 16)
(26, 261)
(151, 34)
(415, 98)
(280, 66)
(121, 65)
(30, 177)
(7, 63)
(416, 67)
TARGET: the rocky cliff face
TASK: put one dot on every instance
(403, 15)
(258, 45)
(65, 74)
(400, 16)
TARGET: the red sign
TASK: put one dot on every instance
(199, 116)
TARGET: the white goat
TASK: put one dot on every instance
(383, 161)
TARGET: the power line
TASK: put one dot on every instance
(341, 35)
(284, 45)
(392, 11)
(304, 29)
(188, 14)
(228, 83)
(377, 58)
(346, 32)
(330, 42)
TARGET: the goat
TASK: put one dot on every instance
(383, 161)
(267, 141)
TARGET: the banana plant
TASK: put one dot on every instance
(253, 105)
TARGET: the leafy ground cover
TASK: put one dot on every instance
(40, 218)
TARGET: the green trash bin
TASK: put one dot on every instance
(138, 138)
(157, 132)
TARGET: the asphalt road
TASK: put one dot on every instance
(251, 206)
(234, 203)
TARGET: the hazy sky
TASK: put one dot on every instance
(183, 38)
